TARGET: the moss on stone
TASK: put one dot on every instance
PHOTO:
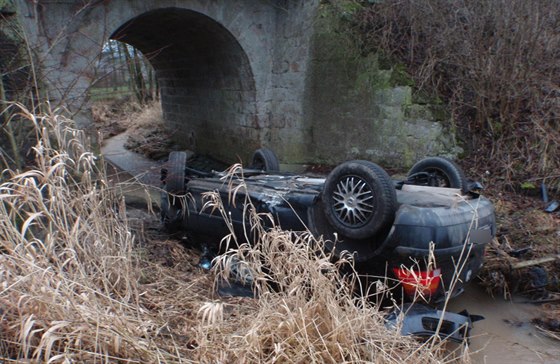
(400, 76)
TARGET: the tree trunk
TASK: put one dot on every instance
(139, 78)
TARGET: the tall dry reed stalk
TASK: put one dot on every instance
(67, 268)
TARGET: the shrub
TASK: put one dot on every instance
(495, 62)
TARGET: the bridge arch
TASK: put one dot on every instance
(242, 74)
(234, 74)
(208, 91)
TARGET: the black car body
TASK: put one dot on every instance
(427, 233)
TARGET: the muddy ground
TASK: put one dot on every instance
(524, 259)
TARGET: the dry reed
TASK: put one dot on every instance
(69, 287)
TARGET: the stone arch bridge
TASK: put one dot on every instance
(238, 75)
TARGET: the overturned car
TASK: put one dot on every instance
(426, 233)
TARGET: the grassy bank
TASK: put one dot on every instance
(495, 63)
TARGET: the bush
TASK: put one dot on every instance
(494, 61)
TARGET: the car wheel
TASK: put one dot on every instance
(438, 172)
(359, 199)
(175, 179)
(264, 159)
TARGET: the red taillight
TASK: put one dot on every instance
(418, 282)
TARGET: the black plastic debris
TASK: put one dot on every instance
(234, 289)
(538, 276)
(518, 253)
(550, 206)
(538, 282)
(206, 257)
(240, 282)
(424, 321)
(475, 187)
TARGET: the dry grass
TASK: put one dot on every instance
(68, 271)
(147, 132)
(549, 324)
(111, 117)
(79, 284)
(522, 224)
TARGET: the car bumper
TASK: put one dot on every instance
(424, 321)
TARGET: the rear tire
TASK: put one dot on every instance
(174, 184)
(359, 199)
(265, 159)
(438, 172)
(175, 180)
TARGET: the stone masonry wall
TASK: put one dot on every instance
(221, 64)
(361, 110)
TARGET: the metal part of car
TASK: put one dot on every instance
(424, 321)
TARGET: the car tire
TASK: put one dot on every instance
(175, 179)
(359, 199)
(265, 159)
(438, 172)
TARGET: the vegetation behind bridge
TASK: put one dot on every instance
(495, 63)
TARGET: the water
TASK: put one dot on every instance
(506, 335)
(138, 177)
(145, 170)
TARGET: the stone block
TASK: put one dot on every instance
(415, 111)
(395, 96)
